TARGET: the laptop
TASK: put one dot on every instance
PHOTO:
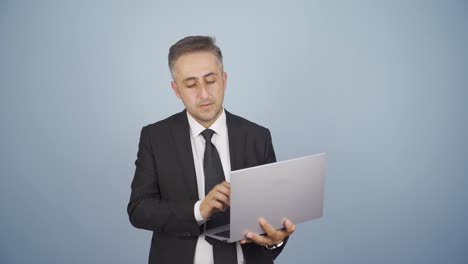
(291, 189)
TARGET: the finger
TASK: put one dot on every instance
(245, 241)
(290, 226)
(280, 235)
(261, 240)
(220, 197)
(214, 204)
(223, 188)
(266, 226)
(227, 184)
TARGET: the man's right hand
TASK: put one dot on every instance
(218, 199)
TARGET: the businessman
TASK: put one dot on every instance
(181, 182)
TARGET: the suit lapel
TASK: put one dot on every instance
(181, 136)
(236, 142)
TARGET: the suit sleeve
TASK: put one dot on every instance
(147, 209)
(269, 155)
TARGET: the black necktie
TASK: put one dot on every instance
(214, 174)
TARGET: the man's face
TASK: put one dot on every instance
(199, 82)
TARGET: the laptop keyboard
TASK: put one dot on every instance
(225, 234)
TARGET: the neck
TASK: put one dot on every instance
(207, 124)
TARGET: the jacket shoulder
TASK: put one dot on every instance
(167, 123)
(245, 124)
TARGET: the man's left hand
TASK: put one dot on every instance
(272, 236)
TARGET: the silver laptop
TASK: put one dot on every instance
(292, 188)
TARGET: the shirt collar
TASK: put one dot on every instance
(219, 126)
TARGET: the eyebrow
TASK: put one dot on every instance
(194, 78)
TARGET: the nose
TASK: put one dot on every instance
(203, 92)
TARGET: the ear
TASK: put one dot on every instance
(175, 89)
(224, 79)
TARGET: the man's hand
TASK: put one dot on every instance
(272, 236)
(216, 200)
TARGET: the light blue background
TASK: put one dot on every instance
(381, 86)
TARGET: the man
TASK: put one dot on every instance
(181, 183)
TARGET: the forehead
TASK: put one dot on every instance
(196, 64)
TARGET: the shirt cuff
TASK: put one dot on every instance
(196, 212)
(275, 246)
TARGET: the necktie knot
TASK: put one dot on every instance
(207, 134)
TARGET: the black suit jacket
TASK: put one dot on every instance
(164, 187)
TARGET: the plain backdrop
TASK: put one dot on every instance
(381, 86)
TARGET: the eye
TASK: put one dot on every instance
(191, 84)
(210, 80)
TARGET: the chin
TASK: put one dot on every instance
(207, 117)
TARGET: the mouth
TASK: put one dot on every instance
(206, 105)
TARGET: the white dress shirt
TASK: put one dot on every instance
(203, 250)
